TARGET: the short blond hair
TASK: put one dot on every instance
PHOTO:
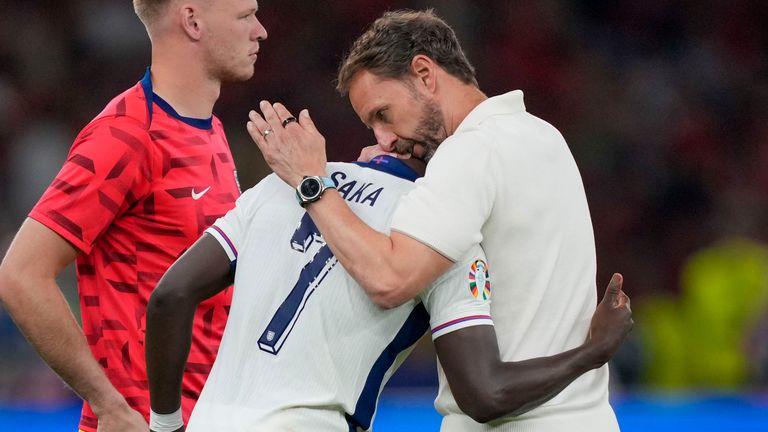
(149, 11)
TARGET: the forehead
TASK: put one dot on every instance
(368, 91)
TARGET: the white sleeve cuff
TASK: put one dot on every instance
(224, 240)
(460, 323)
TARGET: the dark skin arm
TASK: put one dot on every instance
(200, 273)
(487, 388)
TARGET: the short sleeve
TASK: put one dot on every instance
(230, 229)
(461, 297)
(108, 170)
(450, 204)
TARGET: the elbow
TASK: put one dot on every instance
(387, 294)
(487, 404)
(386, 301)
(481, 412)
(167, 298)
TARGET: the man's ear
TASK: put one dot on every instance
(425, 70)
(190, 20)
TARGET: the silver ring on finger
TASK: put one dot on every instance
(266, 133)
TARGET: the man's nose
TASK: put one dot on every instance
(259, 32)
(386, 140)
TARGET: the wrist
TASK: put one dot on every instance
(165, 422)
(312, 188)
(594, 354)
(296, 180)
(109, 402)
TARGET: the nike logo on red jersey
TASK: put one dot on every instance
(196, 196)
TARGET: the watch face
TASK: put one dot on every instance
(310, 187)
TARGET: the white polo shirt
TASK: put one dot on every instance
(506, 179)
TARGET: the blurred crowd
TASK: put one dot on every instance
(664, 104)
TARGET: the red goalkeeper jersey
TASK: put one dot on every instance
(140, 185)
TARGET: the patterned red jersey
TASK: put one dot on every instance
(140, 185)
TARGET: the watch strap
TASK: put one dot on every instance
(328, 182)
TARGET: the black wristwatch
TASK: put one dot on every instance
(311, 189)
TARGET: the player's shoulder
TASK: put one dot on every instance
(468, 145)
(269, 189)
(480, 135)
(129, 106)
(124, 118)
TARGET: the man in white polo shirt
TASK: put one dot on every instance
(497, 176)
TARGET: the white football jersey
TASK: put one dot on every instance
(304, 347)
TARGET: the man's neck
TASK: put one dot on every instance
(184, 85)
(460, 100)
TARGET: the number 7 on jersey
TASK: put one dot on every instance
(278, 329)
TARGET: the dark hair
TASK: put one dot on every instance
(392, 41)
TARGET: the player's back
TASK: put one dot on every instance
(303, 345)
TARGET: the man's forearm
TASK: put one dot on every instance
(522, 386)
(169, 337)
(364, 252)
(383, 265)
(43, 316)
(486, 388)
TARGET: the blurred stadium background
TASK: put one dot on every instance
(664, 104)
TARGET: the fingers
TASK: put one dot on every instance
(282, 112)
(271, 117)
(370, 152)
(274, 115)
(614, 288)
(624, 301)
(306, 121)
(256, 127)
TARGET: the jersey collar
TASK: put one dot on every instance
(507, 103)
(149, 94)
(391, 165)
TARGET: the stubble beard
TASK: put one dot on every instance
(225, 69)
(430, 131)
(230, 74)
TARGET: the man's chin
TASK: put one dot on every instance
(239, 76)
(246, 75)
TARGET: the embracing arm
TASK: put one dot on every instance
(487, 388)
(29, 292)
(203, 271)
(383, 265)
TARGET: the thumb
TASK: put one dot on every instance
(306, 121)
(614, 288)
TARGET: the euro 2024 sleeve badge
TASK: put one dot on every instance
(479, 280)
